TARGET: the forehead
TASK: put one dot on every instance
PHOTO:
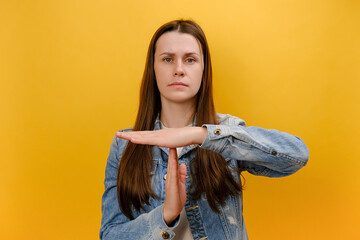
(176, 42)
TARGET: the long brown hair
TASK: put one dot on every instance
(210, 173)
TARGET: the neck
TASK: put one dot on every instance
(176, 115)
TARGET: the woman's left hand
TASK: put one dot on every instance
(170, 137)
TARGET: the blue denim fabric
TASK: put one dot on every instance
(259, 151)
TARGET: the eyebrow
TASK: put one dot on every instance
(186, 54)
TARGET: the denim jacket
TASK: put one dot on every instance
(259, 151)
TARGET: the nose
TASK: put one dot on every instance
(179, 74)
(179, 71)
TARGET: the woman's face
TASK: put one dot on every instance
(178, 65)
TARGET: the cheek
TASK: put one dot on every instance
(197, 81)
(158, 75)
(199, 75)
(161, 73)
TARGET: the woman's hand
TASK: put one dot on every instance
(170, 137)
(175, 192)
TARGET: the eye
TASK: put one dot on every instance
(190, 60)
(167, 59)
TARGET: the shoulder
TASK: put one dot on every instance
(126, 129)
(227, 119)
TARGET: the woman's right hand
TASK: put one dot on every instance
(175, 192)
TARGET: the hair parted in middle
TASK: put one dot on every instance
(209, 171)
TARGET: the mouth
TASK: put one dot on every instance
(178, 84)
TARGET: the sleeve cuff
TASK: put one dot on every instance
(216, 138)
(160, 229)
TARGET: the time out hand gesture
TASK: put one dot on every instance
(175, 192)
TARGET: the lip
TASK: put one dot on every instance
(178, 84)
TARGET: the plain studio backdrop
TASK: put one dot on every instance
(70, 72)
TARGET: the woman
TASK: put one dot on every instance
(175, 175)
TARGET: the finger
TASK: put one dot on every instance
(123, 135)
(168, 174)
(172, 165)
(145, 140)
(175, 164)
(158, 137)
(139, 137)
(182, 173)
(129, 135)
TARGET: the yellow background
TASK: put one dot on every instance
(70, 73)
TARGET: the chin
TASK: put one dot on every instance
(181, 99)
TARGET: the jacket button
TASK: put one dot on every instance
(165, 235)
(217, 131)
(273, 152)
(165, 176)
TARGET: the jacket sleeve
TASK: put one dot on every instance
(259, 151)
(114, 224)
